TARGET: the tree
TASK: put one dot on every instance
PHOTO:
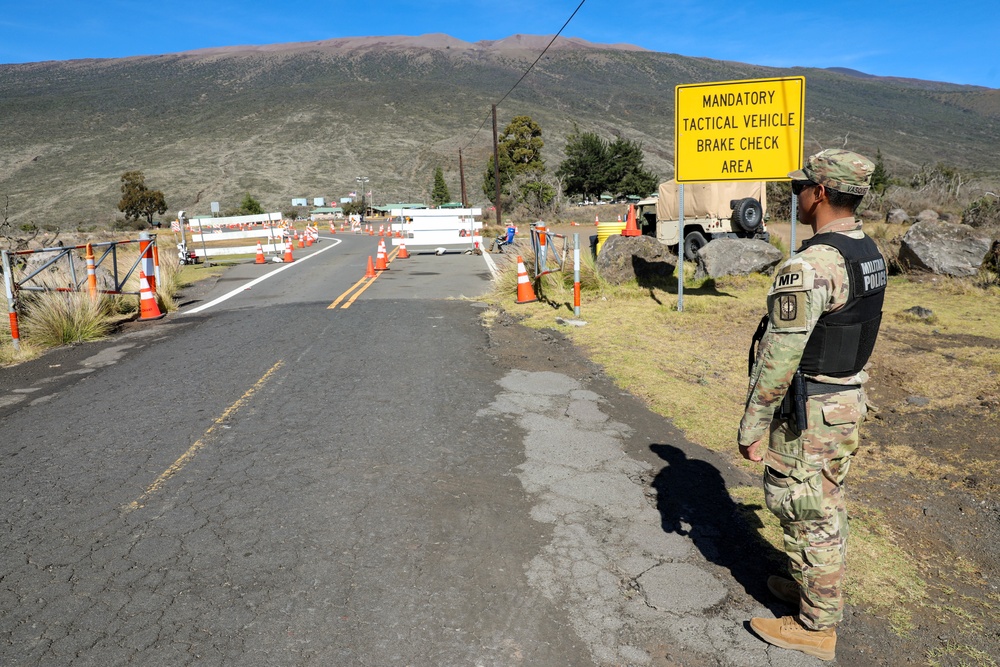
(594, 166)
(137, 200)
(625, 173)
(880, 176)
(583, 170)
(250, 206)
(440, 194)
(520, 151)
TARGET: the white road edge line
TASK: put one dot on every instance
(255, 281)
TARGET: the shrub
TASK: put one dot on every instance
(984, 212)
(59, 318)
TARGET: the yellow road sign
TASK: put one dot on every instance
(739, 130)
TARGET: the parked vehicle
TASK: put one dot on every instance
(711, 211)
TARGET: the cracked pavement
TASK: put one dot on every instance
(407, 488)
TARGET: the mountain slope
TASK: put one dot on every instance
(306, 119)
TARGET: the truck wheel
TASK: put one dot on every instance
(748, 214)
(693, 242)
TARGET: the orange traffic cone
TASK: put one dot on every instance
(309, 240)
(370, 273)
(260, 255)
(333, 227)
(631, 229)
(402, 254)
(302, 240)
(288, 251)
(371, 232)
(525, 293)
(148, 309)
(341, 226)
(597, 220)
(380, 262)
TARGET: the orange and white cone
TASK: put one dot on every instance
(309, 240)
(302, 240)
(288, 251)
(380, 259)
(525, 292)
(370, 273)
(402, 254)
(597, 220)
(260, 254)
(148, 309)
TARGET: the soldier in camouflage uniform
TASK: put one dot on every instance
(806, 399)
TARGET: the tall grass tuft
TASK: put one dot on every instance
(58, 318)
(169, 283)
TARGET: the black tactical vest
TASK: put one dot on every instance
(842, 341)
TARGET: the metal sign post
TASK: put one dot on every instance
(680, 249)
(795, 215)
(576, 275)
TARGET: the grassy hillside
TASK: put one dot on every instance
(305, 121)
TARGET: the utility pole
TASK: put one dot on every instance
(461, 175)
(496, 167)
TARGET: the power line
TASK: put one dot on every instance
(526, 72)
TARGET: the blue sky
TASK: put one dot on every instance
(955, 41)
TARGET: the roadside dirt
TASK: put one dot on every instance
(927, 470)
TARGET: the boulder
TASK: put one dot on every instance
(942, 247)
(624, 258)
(927, 215)
(736, 257)
(897, 216)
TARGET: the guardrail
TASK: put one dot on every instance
(148, 257)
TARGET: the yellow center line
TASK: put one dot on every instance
(344, 295)
(358, 293)
(187, 456)
(391, 256)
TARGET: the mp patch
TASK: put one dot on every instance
(794, 276)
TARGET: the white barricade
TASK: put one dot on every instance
(448, 227)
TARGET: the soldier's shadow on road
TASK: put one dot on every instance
(692, 499)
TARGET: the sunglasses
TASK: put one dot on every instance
(799, 186)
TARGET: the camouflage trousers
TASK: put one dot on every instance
(803, 486)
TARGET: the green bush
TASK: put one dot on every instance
(984, 212)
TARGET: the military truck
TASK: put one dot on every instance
(711, 211)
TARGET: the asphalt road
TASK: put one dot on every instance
(264, 479)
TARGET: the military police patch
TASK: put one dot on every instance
(794, 276)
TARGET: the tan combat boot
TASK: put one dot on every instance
(785, 590)
(787, 632)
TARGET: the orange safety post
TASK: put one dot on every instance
(146, 252)
(91, 273)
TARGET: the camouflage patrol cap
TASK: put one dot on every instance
(839, 170)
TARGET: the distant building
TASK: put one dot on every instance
(326, 213)
(300, 201)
